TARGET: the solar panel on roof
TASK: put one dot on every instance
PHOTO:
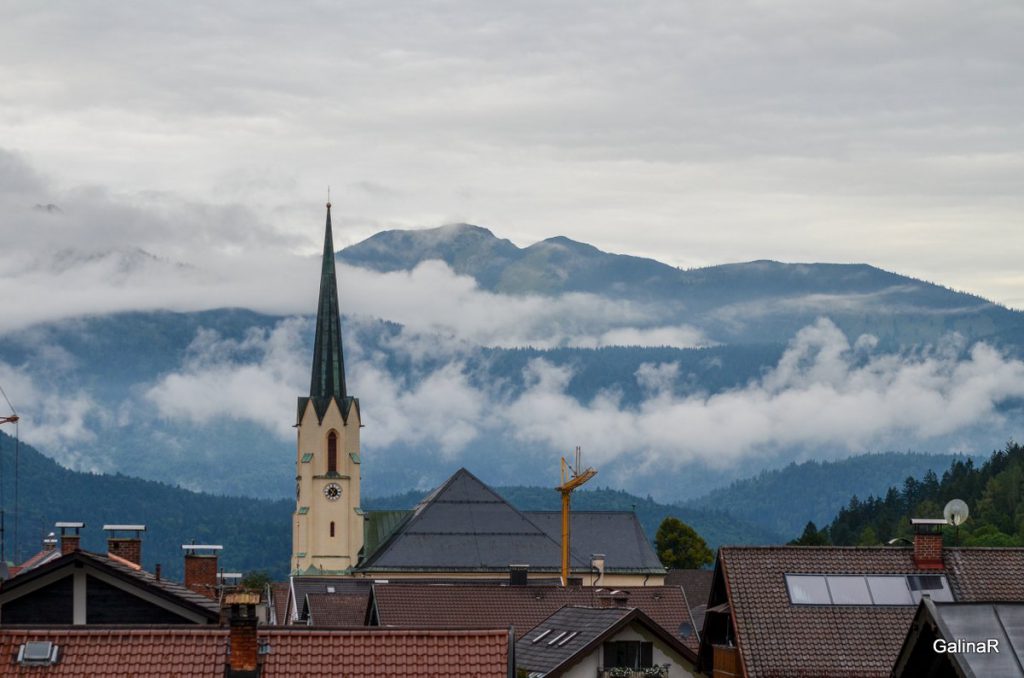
(849, 590)
(890, 590)
(934, 585)
(808, 589)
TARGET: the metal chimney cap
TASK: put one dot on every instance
(132, 528)
(68, 525)
(202, 547)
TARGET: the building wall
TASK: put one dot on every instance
(663, 654)
(311, 531)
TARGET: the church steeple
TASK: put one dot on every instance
(327, 526)
(328, 378)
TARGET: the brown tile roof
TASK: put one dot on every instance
(337, 609)
(696, 584)
(776, 638)
(386, 653)
(523, 607)
(114, 653)
(279, 597)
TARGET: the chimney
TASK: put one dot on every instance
(69, 541)
(50, 543)
(518, 575)
(928, 543)
(126, 548)
(201, 568)
(597, 565)
(244, 644)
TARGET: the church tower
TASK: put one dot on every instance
(327, 532)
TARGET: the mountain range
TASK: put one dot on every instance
(204, 400)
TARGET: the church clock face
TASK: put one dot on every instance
(333, 492)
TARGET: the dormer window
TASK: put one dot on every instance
(332, 452)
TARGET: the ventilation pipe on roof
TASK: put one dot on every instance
(597, 567)
(50, 543)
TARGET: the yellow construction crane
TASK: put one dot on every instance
(572, 478)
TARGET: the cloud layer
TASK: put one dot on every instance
(823, 394)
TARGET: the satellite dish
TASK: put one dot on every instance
(956, 512)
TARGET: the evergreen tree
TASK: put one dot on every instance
(680, 547)
(811, 536)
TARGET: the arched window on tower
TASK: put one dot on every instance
(332, 528)
(332, 452)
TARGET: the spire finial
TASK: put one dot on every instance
(328, 197)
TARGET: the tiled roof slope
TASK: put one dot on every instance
(161, 587)
(617, 535)
(302, 586)
(587, 623)
(776, 638)
(523, 607)
(293, 653)
(337, 609)
(387, 653)
(115, 653)
(465, 525)
(279, 597)
(696, 584)
(40, 558)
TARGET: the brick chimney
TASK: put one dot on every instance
(70, 536)
(201, 568)
(129, 548)
(928, 543)
(243, 657)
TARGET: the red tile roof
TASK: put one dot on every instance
(115, 653)
(44, 556)
(490, 606)
(380, 653)
(293, 653)
(777, 638)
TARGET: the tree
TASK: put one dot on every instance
(680, 547)
(255, 580)
(812, 536)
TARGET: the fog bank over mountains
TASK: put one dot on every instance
(468, 350)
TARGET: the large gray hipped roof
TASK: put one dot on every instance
(464, 525)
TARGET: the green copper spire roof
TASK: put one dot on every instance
(328, 361)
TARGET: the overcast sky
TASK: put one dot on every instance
(696, 132)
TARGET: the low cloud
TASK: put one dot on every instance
(56, 419)
(824, 393)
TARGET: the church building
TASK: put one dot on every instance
(461, 530)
